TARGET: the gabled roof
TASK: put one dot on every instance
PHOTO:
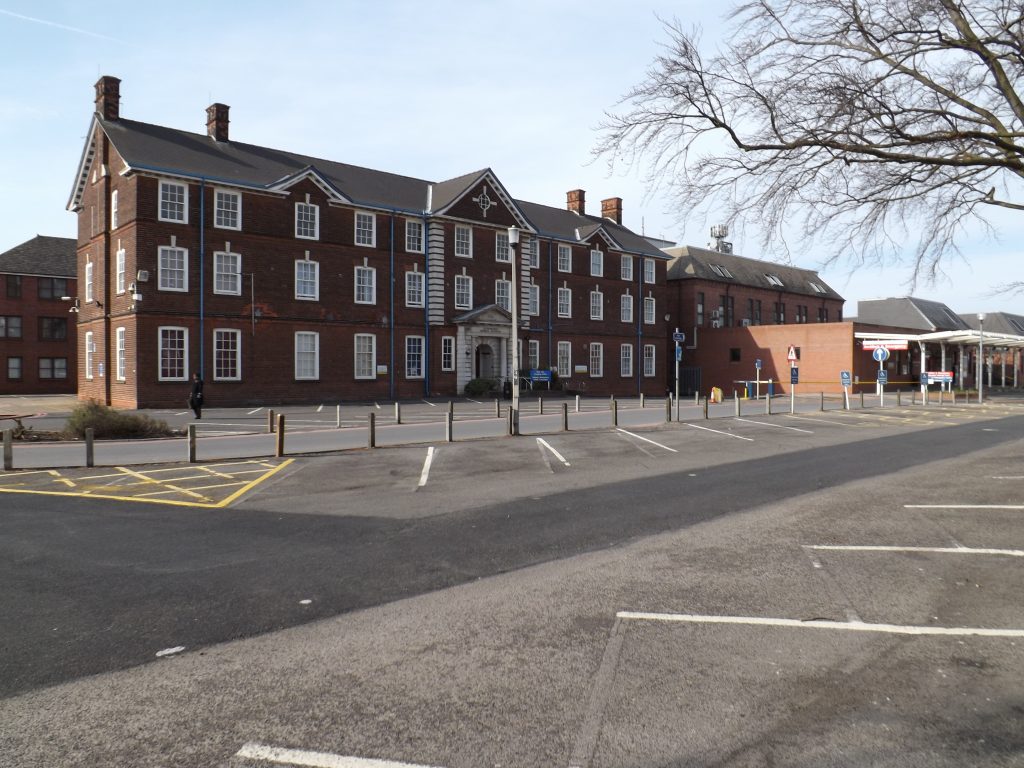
(42, 255)
(996, 322)
(563, 224)
(693, 263)
(910, 312)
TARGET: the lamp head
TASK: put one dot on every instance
(513, 235)
(981, 317)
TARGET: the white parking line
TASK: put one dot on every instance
(320, 408)
(779, 426)
(719, 432)
(1008, 477)
(426, 467)
(254, 410)
(939, 550)
(815, 418)
(470, 399)
(430, 404)
(963, 506)
(640, 437)
(308, 759)
(851, 626)
(558, 456)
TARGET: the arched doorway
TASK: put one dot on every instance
(484, 362)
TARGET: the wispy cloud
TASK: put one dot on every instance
(57, 25)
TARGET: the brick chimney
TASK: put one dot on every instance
(217, 121)
(576, 201)
(108, 97)
(612, 209)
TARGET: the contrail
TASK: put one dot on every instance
(58, 26)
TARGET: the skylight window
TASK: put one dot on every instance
(774, 279)
(721, 271)
(817, 288)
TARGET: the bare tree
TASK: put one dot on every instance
(856, 125)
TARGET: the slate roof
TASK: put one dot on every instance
(691, 262)
(997, 322)
(42, 255)
(910, 312)
(159, 149)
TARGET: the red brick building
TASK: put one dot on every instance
(37, 331)
(285, 278)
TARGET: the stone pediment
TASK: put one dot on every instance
(488, 314)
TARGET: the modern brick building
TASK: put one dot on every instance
(37, 330)
(286, 278)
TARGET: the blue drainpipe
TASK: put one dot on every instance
(202, 276)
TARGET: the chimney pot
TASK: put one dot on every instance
(108, 97)
(612, 209)
(217, 121)
(576, 201)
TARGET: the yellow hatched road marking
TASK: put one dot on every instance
(58, 478)
(159, 482)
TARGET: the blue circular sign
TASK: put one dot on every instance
(881, 354)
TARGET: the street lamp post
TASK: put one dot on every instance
(981, 355)
(513, 244)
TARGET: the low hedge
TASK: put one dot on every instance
(110, 424)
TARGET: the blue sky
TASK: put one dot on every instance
(425, 89)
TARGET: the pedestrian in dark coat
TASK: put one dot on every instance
(195, 399)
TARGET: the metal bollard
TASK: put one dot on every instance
(615, 412)
(565, 417)
(913, 396)
(768, 405)
(451, 408)
(540, 405)
(398, 413)
(497, 408)
(191, 443)
(941, 395)
(508, 424)
(642, 400)
(822, 401)
(371, 430)
(90, 436)
(736, 402)
(668, 410)
(337, 416)
(448, 419)
(705, 408)
(577, 403)
(898, 393)
(862, 399)
(270, 421)
(279, 442)
(8, 449)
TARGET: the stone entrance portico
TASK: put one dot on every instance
(483, 345)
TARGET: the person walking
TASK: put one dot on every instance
(195, 399)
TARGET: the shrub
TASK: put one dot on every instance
(109, 424)
(477, 387)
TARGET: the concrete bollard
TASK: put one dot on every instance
(615, 412)
(668, 410)
(768, 405)
(913, 396)
(577, 403)
(448, 419)
(497, 408)
(371, 430)
(90, 436)
(8, 449)
(508, 423)
(705, 408)
(862, 400)
(540, 405)
(337, 416)
(565, 417)
(823, 401)
(191, 443)
(736, 402)
(270, 421)
(398, 413)
(898, 393)
(279, 442)
(642, 405)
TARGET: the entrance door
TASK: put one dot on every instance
(484, 362)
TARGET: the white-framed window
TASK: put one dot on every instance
(564, 362)
(227, 209)
(307, 355)
(533, 355)
(119, 269)
(227, 273)
(121, 356)
(626, 270)
(414, 357)
(596, 359)
(565, 302)
(227, 354)
(88, 282)
(648, 359)
(649, 310)
(596, 305)
(649, 273)
(564, 258)
(463, 241)
(533, 300)
(502, 250)
(172, 269)
(307, 221)
(173, 202)
(366, 229)
(447, 353)
(503, 294)
(172, 345)
(534, 252)
(366, 356)
(413, 236)
(366, 285)
(90, 351)
(113, 210)
(463, 292)
(626, 360)
(626, 308)
(414, 289)
(307, 280)
(596, 263)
